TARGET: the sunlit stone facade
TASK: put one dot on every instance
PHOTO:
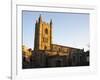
(43, 40)
(47, 54)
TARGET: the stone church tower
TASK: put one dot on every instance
(43, 35)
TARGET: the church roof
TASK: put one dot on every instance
(65, 46)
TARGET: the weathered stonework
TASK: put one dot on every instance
(43, 40)
(43, 35)
(46, 54)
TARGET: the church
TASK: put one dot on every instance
(46, 54)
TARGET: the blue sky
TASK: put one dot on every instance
(69, 29)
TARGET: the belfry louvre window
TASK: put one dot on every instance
(46, 31)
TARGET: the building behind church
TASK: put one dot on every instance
(46, 54)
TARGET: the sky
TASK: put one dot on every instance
(68, 29)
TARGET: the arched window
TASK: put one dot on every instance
(46, 31)
(45, 47)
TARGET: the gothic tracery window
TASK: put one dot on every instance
(46, 31)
